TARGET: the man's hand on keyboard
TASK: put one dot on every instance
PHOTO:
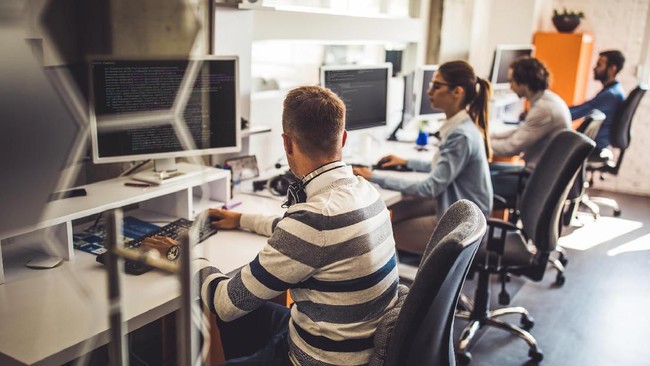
(166, 247)
(224, 219)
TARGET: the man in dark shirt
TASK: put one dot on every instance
(609, 99)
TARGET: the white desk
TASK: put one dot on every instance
(53, 316)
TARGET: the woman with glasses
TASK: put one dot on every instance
(459, 168)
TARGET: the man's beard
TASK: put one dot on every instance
(600, 77)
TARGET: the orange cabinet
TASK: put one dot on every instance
(568, 58)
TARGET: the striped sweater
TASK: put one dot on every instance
(336, 255)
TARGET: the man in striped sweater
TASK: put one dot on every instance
(333, 250)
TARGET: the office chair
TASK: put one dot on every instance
(605, 163)
(419, 330)
(524, 251)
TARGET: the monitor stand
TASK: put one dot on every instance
(166, 171)
(365, 146)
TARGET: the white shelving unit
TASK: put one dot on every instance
(52, 234)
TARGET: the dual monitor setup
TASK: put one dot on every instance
(162, 109)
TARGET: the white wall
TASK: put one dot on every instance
(508, 22)
(471, 29)
(456, 30)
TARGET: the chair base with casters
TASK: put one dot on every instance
(479, 315)
(602, 164)
(559, 264)
(593, 203)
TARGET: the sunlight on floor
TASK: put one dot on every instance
(636, 245)
(594, 233)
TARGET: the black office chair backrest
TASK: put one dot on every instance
(620, 137)
(424, 326)
(548, 186)
(620, 134)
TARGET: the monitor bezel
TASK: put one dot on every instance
(163, 155)
(387, 66)
(496, 60)
(418, 85)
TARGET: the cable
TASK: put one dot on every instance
(134, 168)
(133, 353)
(99, 216)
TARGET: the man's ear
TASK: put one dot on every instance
(612, 70)
(345, 137)
(288, 144)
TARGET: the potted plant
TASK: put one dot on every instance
(566, 21)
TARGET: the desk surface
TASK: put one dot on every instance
(53, 316)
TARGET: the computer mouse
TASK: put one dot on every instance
(382, 161)
(398, 168)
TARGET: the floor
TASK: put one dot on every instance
(600, 315)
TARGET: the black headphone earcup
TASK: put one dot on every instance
(279, 185)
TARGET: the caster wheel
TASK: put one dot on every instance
(527, 322)
(617, 213)
(535, 355)
(463, 358)
(560, 279)
(504, 298)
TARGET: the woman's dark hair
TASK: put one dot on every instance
(530, 72)
(477, 94)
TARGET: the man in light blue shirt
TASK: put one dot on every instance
(609, 99)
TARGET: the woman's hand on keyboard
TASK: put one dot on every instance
(224, 219)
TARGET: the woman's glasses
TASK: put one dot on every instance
(435, 85)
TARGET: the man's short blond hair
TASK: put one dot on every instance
(315, 117)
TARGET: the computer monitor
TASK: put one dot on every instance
(504, 56)
(163, 108)
(423, 108)
(363, 89)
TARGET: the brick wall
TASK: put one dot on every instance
(619, 24)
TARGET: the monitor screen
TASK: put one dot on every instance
(141, 109)
(409, 102)
(423, 76)
(504, 56)
(363, 89)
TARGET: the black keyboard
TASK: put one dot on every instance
(172, 230)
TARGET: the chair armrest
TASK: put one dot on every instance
(497, 230)
(498, 199)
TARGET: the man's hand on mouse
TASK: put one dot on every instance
(224, 219)
(390, 160)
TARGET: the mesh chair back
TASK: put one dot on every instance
(620, 137)
(548, 186)
(424, 326)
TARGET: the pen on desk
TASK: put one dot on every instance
(230, 206)
(136, 184)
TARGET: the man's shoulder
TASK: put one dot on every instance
(346, 193)
(550, 99)
(615, 91)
